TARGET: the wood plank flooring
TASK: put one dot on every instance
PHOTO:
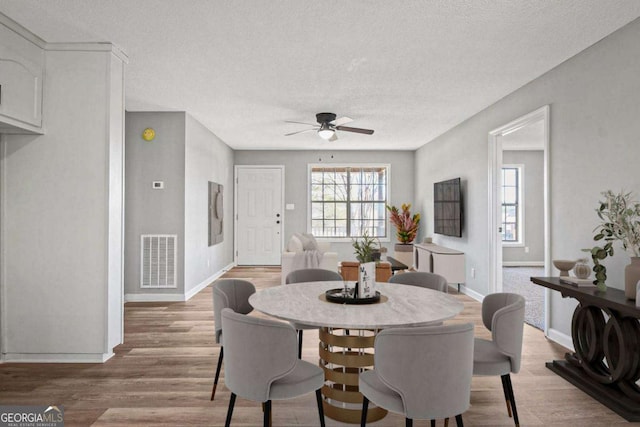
(162, 376)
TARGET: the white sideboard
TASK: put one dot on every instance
(446, 262)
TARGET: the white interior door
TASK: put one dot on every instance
(259, 218)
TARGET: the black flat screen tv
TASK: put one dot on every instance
(447, 208)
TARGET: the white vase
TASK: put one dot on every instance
(631, 277)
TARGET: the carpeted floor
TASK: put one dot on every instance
(517, 280)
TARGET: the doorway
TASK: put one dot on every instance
(259, 219)
(519, 245)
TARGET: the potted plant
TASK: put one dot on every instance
(367, 249)
(406, 231)
(620, 216)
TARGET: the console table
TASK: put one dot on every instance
(606, 363)
(446, 262)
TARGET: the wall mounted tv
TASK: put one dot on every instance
(447, 208)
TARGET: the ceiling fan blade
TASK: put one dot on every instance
(356, 130)
(341, 121)
(300, 131)
(301, 123)
(334, 137)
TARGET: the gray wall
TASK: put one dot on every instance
(207, 158)
(533, 162)
(149, 211)
(593, 147)
(186, 156)
(296, 181)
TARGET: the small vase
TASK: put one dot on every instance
(631, 277)
(582, 269)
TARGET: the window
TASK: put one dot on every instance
(512, 204)
(348, 201)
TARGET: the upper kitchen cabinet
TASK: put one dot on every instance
(21, 79)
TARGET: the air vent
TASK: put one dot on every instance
(158, 260)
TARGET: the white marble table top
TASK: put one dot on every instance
(406, 306)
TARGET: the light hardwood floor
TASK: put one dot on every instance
(162, 376)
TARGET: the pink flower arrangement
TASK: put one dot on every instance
(406, 225)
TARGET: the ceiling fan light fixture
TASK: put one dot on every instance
(325, 131)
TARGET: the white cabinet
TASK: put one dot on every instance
(446, 262)
(21, 74)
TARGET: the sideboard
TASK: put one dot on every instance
(606, 336)
(446, 262)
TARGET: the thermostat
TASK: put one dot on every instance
(157, 185)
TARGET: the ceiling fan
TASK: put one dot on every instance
(328, 125)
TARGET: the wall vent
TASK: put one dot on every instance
(158, 260)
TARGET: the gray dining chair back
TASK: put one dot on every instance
(233, 294)
(309, 275)
(312, 275)
(503, 315)
(422, 279)
(262, 364)
(421, 372)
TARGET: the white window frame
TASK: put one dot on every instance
(520, 242)
(310, 167)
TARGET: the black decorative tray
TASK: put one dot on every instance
(337, 296)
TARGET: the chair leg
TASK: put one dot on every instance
(232, 401)
(512, 398)
(320, 408)
(266, 419)
(300, 344)
(446, 422)
(408, 422)
(505, 389)
(365, 406)
(433, 423)
(459, 420)
(215, 381)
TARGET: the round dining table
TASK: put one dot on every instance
(347, 331)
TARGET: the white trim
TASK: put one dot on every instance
(348, 239)
(154, 298)
(3, 192)
(523, 263)
(22, 31)
(560, 338)
(471, 293)
(56, 357)
(235, 204)
(89, 47)
(206, 282)
(495, 162)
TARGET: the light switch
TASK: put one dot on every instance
(290, 206)
(157, 185)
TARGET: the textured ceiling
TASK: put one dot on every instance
(411, 70)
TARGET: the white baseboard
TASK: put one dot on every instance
(560, 338)
(155, 297)
(523, 263)
(56, 357)
(470, 292)
(206, 282)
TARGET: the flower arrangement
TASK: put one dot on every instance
(406, 225)
(620, 216)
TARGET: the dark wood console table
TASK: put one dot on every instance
(606, 336)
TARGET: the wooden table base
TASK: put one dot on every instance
(343, 357)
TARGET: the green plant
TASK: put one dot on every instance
(620, 216)
(367, 249)
(406, 225)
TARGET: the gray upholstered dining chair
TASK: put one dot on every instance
(309, 275)
(262, 365)
(233, 294)
(503, 315)
(421, 372)
(422, 279)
